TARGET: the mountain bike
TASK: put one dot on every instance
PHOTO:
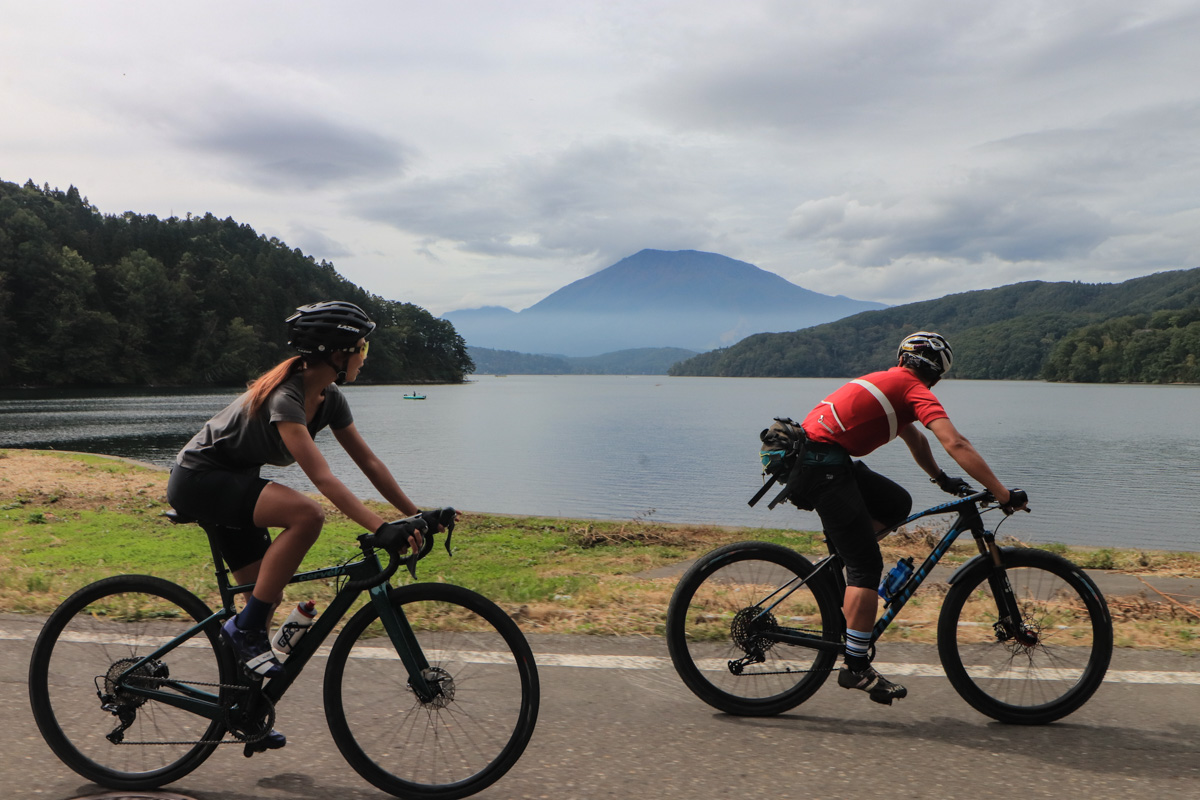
(430, 690)
(1024, 635)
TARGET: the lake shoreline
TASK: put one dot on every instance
(32, 477)
(69, 519)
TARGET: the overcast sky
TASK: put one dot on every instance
(456, 154)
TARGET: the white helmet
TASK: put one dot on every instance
(927, 352)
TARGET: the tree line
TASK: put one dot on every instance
(88, 299)
(1144, 330)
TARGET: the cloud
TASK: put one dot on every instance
(873, 71)
(316, 242)
(607, 198)
(293, 149)
(496, 152)
(1054, 197)
(972, 224)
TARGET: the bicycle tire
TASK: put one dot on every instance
(707, 629)
(458, 744)
(1045, 678)
(85, 642)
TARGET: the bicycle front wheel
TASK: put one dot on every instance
(466, 737)
(80, 698)
(722, 625)
(1045, 666)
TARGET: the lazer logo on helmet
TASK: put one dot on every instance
(350, 328)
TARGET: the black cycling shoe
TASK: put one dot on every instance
(868, 680)
(253, 649)
(272, 741)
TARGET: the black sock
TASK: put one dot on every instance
(254, 615)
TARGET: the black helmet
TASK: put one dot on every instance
(926, 352)
(328, 327)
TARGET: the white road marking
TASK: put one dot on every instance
(581, 661)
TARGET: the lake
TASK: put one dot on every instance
(1104, 465)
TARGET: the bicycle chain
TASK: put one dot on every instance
(782, 671)
(158, 682)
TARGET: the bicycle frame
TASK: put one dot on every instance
(968, 519)
(207, 704)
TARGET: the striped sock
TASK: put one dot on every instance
(857, 643)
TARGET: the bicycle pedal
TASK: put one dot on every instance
(272, 741)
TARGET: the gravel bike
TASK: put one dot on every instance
(430, 690)
(1024, 635)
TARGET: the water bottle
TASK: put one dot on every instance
(895, 579)
(295, 626)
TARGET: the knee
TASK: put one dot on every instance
(308, 519)
(865, 571)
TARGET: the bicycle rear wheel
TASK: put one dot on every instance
(1061, 651)
(720, 639)
(87, 643)
(463, 740)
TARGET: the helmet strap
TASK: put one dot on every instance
(340, 378)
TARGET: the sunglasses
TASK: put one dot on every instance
(365, 347)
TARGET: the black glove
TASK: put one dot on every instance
(1017, 499)
(393, 536)
(954, 486)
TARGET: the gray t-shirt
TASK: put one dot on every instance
(234, 440)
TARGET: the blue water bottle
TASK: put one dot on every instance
(896, 578)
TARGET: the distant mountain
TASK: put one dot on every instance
(653, 299)
(1144, 330)
(642, 361)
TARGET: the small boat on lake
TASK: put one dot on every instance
(414, 396)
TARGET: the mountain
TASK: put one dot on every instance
(1143, 330)
(652, 299)
(642, 361)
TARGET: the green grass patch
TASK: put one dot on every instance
(59, 532)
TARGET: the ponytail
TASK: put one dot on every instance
(262, 386)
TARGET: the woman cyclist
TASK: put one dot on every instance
(216, 475)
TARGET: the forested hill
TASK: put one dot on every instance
(1143, 330)
(93, 299)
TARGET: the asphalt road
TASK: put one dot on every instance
(625, 726)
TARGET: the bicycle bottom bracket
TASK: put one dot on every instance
(247, 725)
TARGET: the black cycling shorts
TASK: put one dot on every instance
(848, 499)
(223, 502)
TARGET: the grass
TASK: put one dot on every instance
(68, 520)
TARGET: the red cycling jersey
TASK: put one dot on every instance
(868, 412)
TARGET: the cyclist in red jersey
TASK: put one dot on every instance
(855, 503)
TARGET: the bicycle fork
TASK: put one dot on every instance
(423, 680)
(1010, 625)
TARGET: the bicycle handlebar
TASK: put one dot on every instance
(427, 523)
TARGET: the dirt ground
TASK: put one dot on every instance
(35, 476)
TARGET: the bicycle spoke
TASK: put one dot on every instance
(120, 737)
(721, 626)
(479, 719)
(1035, 669)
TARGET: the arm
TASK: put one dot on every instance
(300, 444)
(376, 471)
(918, 445)
(966, 456)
